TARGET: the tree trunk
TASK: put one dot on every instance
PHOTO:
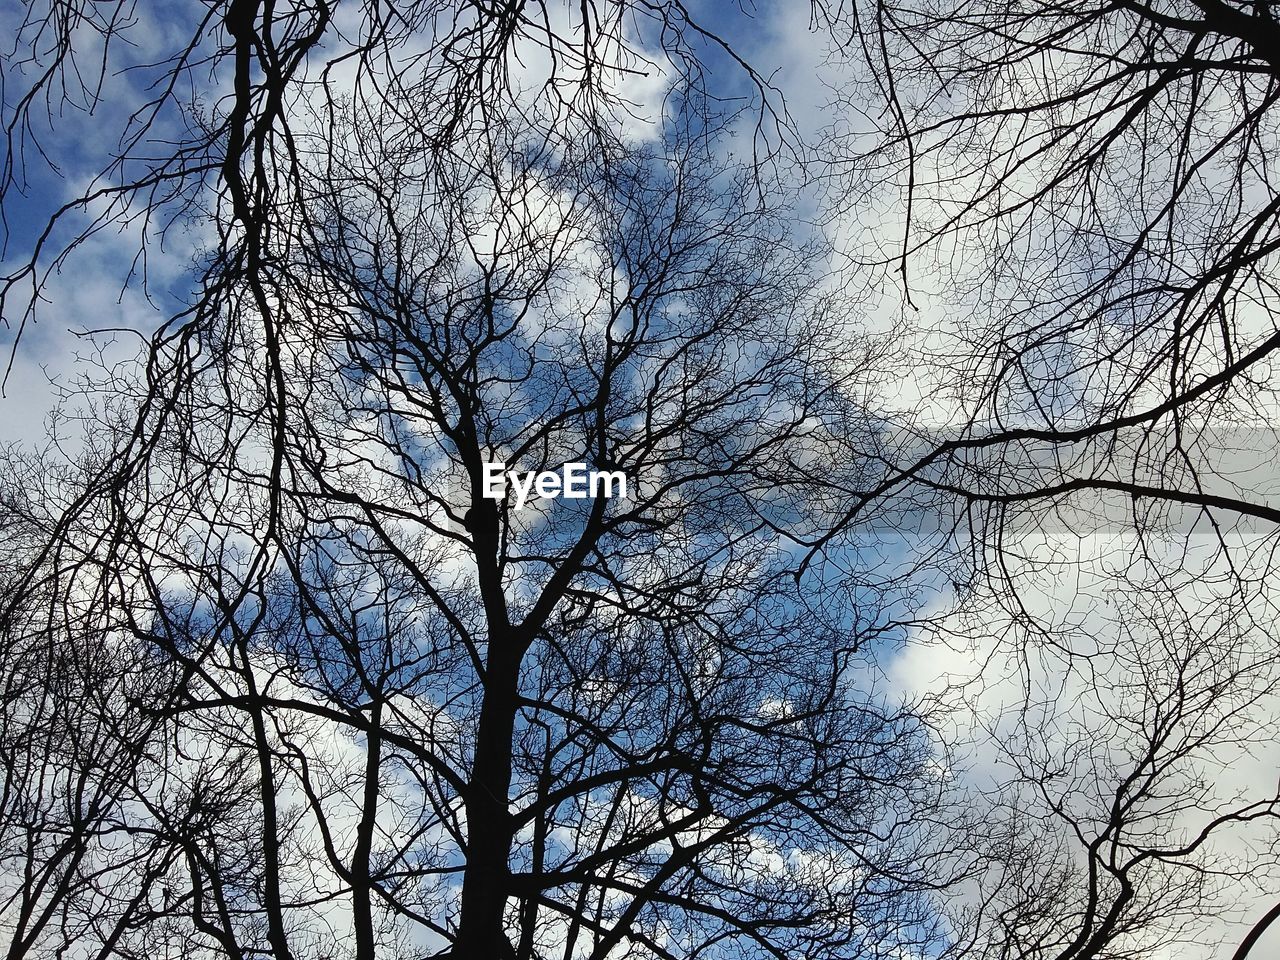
(486, 880)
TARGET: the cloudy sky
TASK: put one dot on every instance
(94, 312)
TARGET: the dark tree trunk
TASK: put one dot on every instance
(486, 880)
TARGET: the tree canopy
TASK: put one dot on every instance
(935, 620)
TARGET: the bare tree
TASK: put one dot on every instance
(1095, 183)
(194, 109)
(1099, 179)
(573, 727)
(353, 692)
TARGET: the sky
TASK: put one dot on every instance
(88, 294)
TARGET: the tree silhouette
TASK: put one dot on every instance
(280, 679)
(1095, 181)
(581, 727)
